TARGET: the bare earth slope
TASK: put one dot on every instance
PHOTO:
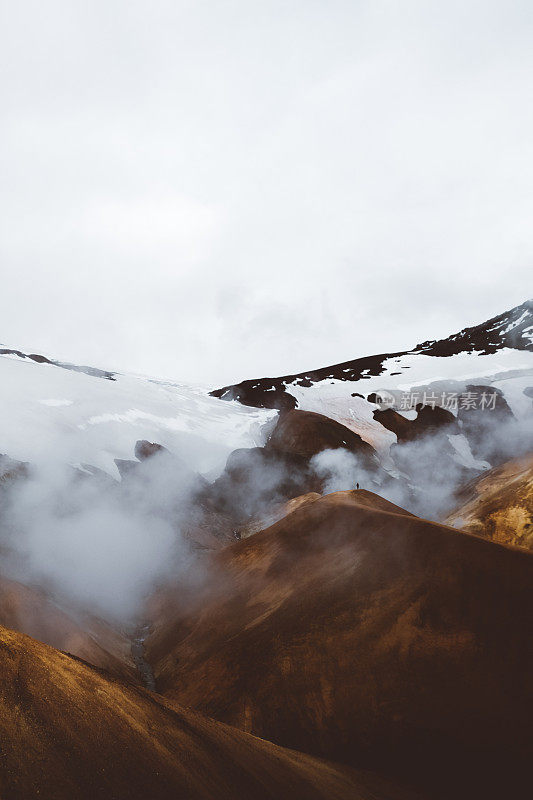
(30, 611)
(354, 631)
(499, 505)
(67, 730)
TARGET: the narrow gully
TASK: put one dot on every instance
(137, 653)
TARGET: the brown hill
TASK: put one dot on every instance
(275, 514)
(500, 504)
(306, 433)
(67, 730)
(352, 630)
(30, 611)
(257, 480)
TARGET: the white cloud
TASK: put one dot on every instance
(219, 190)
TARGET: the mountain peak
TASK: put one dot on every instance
(513, 328)
(511, 331)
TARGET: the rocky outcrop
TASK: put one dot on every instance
(266, 393)
(144, 449)
(304, 434)
(428, 421)
(257, 479)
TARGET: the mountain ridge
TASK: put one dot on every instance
(512, 329)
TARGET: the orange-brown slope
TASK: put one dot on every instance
(30, 611)
(367, 636)
(358, 497)
(69, 731)
(499, 505)
(259, 523)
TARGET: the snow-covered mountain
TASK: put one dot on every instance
(54, 411)
(497, 354)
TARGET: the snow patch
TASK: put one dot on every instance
(101, 420)
(463, 453)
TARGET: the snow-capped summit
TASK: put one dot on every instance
(497, 354)
(53, 410)
(513, 329)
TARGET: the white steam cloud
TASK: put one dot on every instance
(96, 543)
(429, 470)
(103, 546)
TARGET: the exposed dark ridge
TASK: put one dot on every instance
(94, 372)
(264, 393)
(487, 337)
(272, 392)
(428, 420)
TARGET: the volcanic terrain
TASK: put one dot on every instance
(360, 633)
(196, 601)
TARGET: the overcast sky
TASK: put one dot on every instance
(211, 190)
